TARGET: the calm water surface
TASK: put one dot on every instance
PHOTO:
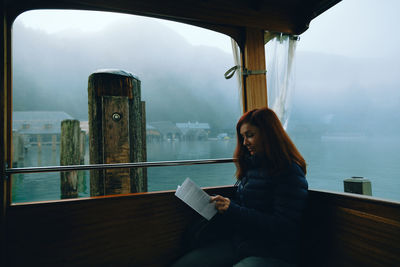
(329, 163)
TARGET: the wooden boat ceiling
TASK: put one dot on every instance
(226, 16)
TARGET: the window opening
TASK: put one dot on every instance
(190, 116)
(346, 100)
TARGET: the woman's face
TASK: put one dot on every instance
(251, 138)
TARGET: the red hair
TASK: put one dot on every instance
(279, 150)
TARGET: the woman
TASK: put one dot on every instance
(264, 217)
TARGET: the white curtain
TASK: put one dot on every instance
(237, 61)
(280, 58)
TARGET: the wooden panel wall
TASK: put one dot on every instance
(146, 230)
(350, 230)
(142, 229)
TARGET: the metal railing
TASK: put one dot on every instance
(10, 171)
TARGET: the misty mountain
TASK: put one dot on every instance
(180, 82)
(341, 94)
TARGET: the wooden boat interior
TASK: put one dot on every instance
(146, 229)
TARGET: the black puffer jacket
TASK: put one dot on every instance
(267, 211)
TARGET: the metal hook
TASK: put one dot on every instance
(116, 116)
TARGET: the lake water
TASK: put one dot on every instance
(330, 161)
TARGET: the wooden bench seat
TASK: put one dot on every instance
(146, 230)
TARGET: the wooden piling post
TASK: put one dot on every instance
(69, 155)
(54, 142)
(82, 152)
(115, 131)
(21, 148)
(82, 147)
(15, 150)
(144, 146)
(39, 142)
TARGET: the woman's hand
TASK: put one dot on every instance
(221, 203)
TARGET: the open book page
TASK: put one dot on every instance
(196, 198)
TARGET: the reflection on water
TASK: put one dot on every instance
(43, 186)
(167, 178)
(46, 186)
(329, 163)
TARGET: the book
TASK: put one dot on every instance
(196, 198)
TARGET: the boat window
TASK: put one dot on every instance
(345, 107)
(190, 108)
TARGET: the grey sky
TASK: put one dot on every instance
(355, 28)
(58, 21)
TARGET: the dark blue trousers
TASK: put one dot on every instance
(220, 254)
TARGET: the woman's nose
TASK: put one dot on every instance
(244, 141)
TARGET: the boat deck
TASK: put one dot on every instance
(146, 230)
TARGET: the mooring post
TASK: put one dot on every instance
(39, 142)
(357, 185)
(144, 147)
(21, 148)
(115, 131)
(82, 147)
(15, 148)
(69, 155)
(54, 142)
(82, 152)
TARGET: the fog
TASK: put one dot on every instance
(346, 86)
(342, 94)
(334, 92)
(180, 82)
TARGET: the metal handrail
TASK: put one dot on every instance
(10, 171)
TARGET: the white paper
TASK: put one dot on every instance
(196, 198)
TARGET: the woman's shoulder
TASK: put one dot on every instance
(296, 169)
(293, 174)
